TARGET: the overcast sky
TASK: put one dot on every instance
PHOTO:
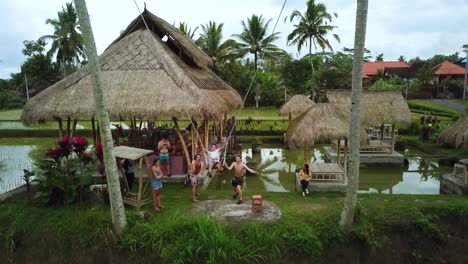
(394, 27)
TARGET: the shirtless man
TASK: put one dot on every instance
(198, 167)
(213, 158)
(163, 147)
(238, 178)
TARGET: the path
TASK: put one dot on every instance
(452, 103)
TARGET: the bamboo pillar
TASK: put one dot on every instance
(73, 128)
(182, 141)
(338, 152)
(224, 124)
(207, 132)
(60, 125)
(192, 132)
(393, 138)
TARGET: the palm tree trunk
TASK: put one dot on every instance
(347, 214)
(117, 208)
(312, 67)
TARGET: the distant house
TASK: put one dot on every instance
(447, 70)
(371, 69)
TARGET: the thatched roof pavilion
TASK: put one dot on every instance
(296, 105)
(146, 74)
(455, 135)
(321, 123)
(378, 107)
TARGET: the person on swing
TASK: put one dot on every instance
(238, 178)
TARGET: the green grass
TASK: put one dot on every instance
(14, 114)
(432, 145)
(433, 108)
(308, 228)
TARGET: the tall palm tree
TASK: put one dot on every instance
(67, 41)
(312, 28)
(119, 218)
(255, 40)
(186, 30)
(349, 207)
(210, 42)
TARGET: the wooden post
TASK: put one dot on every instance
(289, 119)
(68, 126)
(393, 138)
(60, 125)
(346, 157)
(207, 133)
(382, 132)
(338, 152)
(182, 141)
(72, 133)
(192, 133)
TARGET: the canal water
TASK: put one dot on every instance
(277, 166)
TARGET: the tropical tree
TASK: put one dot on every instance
(312, 28)
(254, 39)
(379, 57)
(67, 42)
(119, 218)
(186, 30)
(349, 207)
(210, 42)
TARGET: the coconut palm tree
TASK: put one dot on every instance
(119, 218)
(186, 30)
(255, 40)
(312, 29)
(347, 214)
(210, 42)
(67, 42)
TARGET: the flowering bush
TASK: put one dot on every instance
(66, 171)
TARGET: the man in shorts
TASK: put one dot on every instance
(163, 147)
(198, 167)
(238, 178)
(214, 157)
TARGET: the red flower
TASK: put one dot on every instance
(99, 148)
(86, 158)
(65, 143)
(79, 141)
(54, 153)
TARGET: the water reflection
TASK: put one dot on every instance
(13, 160)
(277, 166)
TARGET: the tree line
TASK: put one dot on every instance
(252, 53)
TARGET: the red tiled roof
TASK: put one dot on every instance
(371, 68)
(447, 68)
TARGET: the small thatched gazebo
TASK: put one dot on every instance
(455, 135)
(146, 74)
(321, 123)
(296, 105)
(377, 109)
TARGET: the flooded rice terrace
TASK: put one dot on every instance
(277, 166)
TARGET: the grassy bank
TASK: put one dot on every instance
(431, 145)
(307, 231)
(423, 106)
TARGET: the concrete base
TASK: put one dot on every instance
(323, 186)
(453, 184)
(203, 181)
(394, 158)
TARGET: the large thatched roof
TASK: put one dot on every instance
(321, 123)
(157, 73)
(455, 135)
(296, 105)
(377, 106)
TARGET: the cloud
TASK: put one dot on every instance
(399, 27)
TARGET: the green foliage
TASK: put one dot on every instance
(379, 57)
(10, 99)
(67, 41)
(186, 30)
(67, 170)
(210, 42)
(393, 83)
(433, 108)
(254, 39)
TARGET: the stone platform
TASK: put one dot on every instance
(453, 184)
(336, 185)
(394, 158)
